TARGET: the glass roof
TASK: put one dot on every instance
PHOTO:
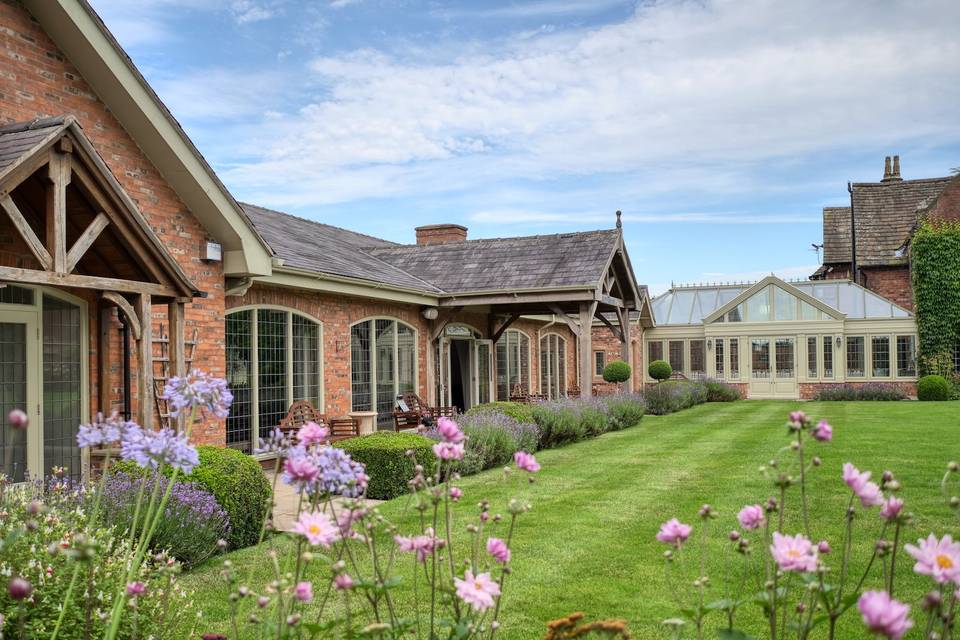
(690, 305)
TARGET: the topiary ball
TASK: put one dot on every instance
(933, 388)
(616, 371)
(660, 370)
(384, 454)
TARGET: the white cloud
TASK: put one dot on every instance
(244, 11)
(679, 93)
(339, 4)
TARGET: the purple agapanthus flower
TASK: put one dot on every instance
(276, 442)
(105, 431)
(155, 448)
(198, 390)
(324, 470)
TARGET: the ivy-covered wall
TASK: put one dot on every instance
(935, 255)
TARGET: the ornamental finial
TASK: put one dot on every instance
(619, 222)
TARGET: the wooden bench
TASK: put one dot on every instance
(343, 428)
(411, 411)
(519, 394)
(301, 412)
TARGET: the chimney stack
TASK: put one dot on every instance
(440, 234)
(891, 174)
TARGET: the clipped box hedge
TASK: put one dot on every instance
(384, 454)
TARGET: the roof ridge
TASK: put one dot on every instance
(901, 182)
(37, 123)
(400, 247)
(316, 222)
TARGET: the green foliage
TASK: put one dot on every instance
(519, 411)
(237, 482)
(933, 387)
(719, 391)
(869, 391)
(559, 424)
(935, 267)
(660, 370)
(674, 395)
(616, 371)
(384, 454)
(625, 410)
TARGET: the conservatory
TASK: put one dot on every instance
(775, 339)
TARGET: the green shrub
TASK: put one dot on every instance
(660, 370)
(237, 482)
(718, 391)
(674, 395)
(384, 454)
(616, 371)
(933, 388)
(867, 391)
(559, 423)
(624, 410)
(519, 411)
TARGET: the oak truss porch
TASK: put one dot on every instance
(609, 296)
(68, 225)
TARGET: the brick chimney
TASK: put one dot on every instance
(441, 233)
(891, 174)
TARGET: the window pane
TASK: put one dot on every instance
(407, 355)
(697, 360)
(561, 382)
(906, 356)
(500, 350)
(483, 372)
(784, 305)
(599, 360)
(758, 306)
(656, 350)
(12, 294)
(785, 358)
(61, 385)
(807, 311)
(855, 357)
(676, 355)
(545, 365)
(239, 345)
(523, 351)
(306, 361)
(271, 368)
(812, 356)
(735, 314)
(734, 358)
(13, 395)
(760, 358)
(718, 356)
(385, 341)
(362, 399)
(880, 355)
(827, 356)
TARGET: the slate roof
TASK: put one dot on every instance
(500, 264)
(886, 213)
(322, 248)
(19, 138)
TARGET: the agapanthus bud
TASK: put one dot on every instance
(823, 547)
(734, 536)
(706, 511)
(801, 607)
(816, 461)
(931, 601)
(263, 601)
(293, 620)
(19, 589)
(953, 466)
(772, 505)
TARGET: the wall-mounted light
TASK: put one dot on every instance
(212, 251)
(430, 313)
(709, 344)
(839, 341)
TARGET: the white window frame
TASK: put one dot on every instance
(503, 336)
(396, 358)
(555, 373)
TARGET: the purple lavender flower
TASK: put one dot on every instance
(155, 448)
(105, 431)
(198, 390)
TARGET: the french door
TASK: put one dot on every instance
(469, 382)
(773, 370)
(19, 389)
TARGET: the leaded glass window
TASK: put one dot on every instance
(698, 366)
(760, 358)
(718, 356)
(676, 355)
(855, 357)
(907, 356)
(786, 367)
(513, 363)
(62, 384)
(812, 350)
(553, 366)
(383, 356)
(655, 350)
(880, 355)
(734, 357)
(827, 356)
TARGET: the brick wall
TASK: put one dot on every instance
(603, 340)
(441, 233)
(947, 204)
(338, 313)
(36, 80)
(892, 283)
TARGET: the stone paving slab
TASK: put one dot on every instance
(285, 502)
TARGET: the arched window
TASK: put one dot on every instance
(274, 358)
(383, 365)
(553, 366)
(513, 363)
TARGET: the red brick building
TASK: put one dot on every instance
(124, 260)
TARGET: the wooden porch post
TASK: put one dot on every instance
(145, 389)
(103, 356)
(626, 353)
(175, 317)
(587, 311)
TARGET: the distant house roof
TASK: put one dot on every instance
(500, 264)
(886, 213)
(690, 305)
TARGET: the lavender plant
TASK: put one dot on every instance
(493, 438)
(803, 587)
(346, 555)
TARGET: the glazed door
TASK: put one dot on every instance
(483, 371)
(20, 450)
(773, 371)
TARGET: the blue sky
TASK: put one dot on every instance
(719, 127)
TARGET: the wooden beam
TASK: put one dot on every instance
(22, 170)
(127, 309)
(177, 350)
(541, 297)
(610, 301)
(32, 276)
(574, 327)
(103, 359)
(503, 327)
(59, 172)
(26, 232)
(145, 391)
(587, 311)
(626, 348)
(616, 331)
(87, 238)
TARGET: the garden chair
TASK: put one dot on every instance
(411, 411)
(301, 412)
(343, 428)
(519, 394)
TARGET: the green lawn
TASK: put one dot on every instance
(588, 544)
